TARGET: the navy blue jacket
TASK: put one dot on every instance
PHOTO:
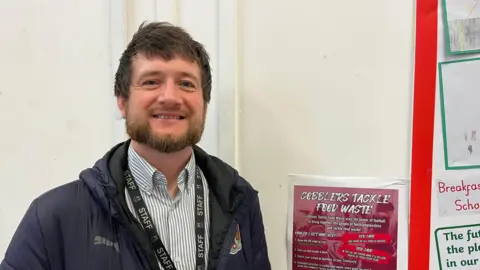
(86, 224)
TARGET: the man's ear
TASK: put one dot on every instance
(122, 105)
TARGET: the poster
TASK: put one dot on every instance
(462, 25)
(459, 96)
(344, 223)
(458, 247)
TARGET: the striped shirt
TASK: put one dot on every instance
(174, 219)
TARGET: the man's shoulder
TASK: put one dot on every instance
(61, 193)
(61, 200)
(228, 170)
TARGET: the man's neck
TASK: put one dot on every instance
(170, 164)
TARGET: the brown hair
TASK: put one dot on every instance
(162, 39)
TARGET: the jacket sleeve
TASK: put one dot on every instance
(26, 249)
(259, 244)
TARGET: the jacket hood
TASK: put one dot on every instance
(100, 180)
(105, 179)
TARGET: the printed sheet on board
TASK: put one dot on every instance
(455, 208)
(462, 25)
(347, 223)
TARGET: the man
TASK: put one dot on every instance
(156, 201)
(385, 212)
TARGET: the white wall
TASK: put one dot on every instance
(57, 111)
(314, 87)
(55, 101)
(325, 89)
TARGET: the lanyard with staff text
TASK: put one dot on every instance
(149, 227)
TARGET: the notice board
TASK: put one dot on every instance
(445, 164)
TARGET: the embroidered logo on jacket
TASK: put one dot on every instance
(98, 240)
(237, 244)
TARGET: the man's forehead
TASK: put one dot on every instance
(142, 64)
(143, 57)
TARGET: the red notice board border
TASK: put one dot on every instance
(422, 133)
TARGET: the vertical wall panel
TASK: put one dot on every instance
(167, 10)
(118, 40)
(200, 18)
(227, 80)
(55, 101)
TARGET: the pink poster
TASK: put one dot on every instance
(344, 228)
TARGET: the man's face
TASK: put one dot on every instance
(385, 214)
(166, 110)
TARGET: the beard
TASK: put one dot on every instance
(140, 131)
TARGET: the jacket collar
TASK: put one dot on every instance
(106, 176)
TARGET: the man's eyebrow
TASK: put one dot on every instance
(190, 75)
(151, 73)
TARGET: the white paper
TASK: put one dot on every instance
(461, 112)
(459, 247)
(458, 196)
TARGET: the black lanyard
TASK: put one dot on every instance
(149, 227)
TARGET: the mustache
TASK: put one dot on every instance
(169, 109)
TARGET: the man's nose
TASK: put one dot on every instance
(170, 93)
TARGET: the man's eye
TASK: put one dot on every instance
(150, 83)
(187, 84)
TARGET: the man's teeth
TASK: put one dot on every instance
(167, 117)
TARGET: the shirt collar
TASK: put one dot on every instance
(147, 177)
